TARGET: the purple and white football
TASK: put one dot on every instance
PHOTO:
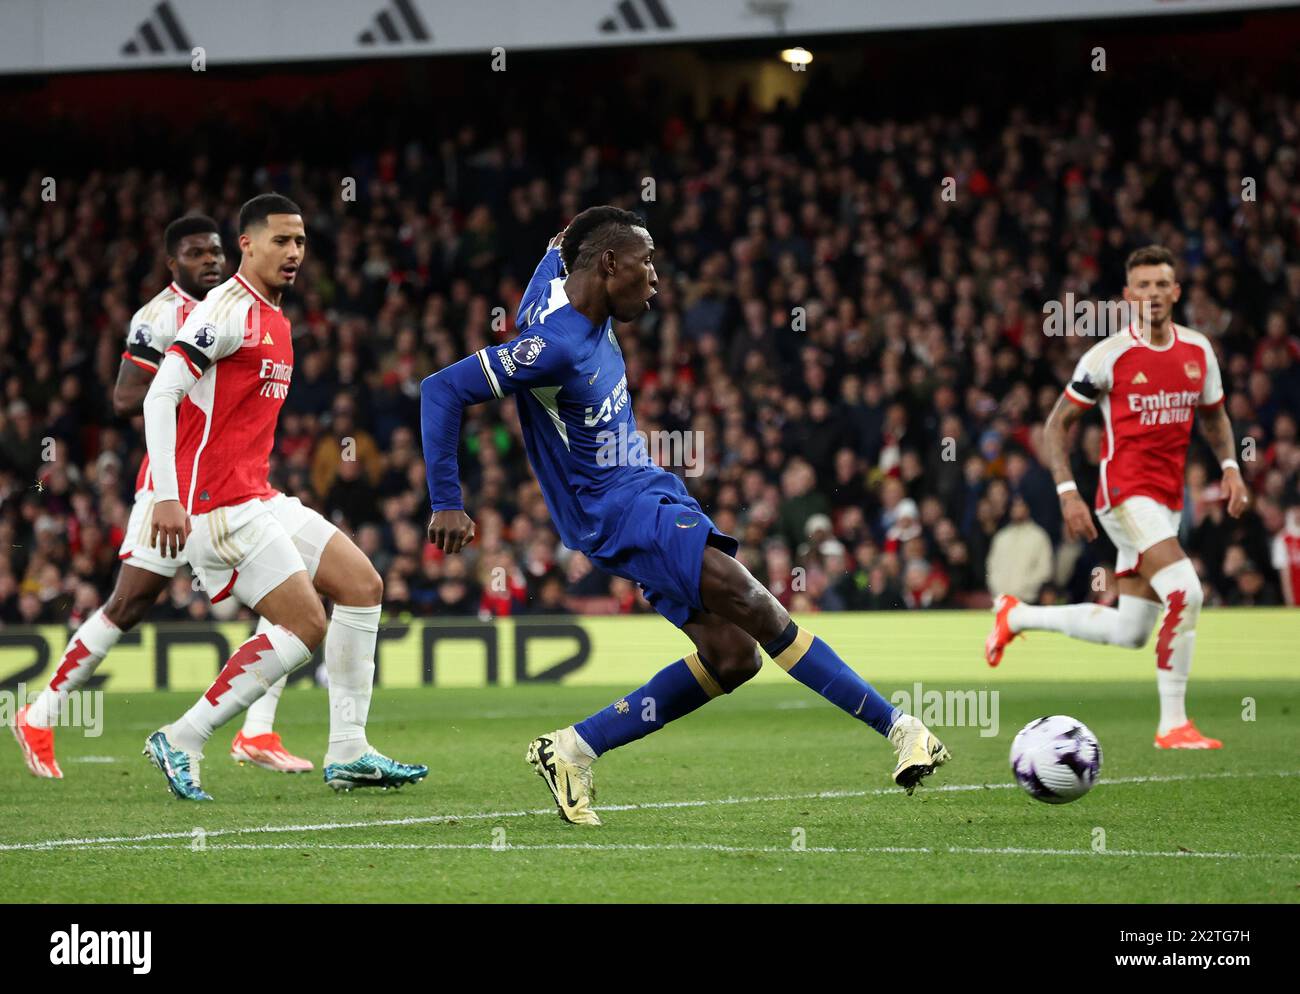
(1056, 759)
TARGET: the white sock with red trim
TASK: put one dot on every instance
(88, 646)
(1180, 589)
(350, 665)
(250, 671)
(260, 717)
(1128, 625)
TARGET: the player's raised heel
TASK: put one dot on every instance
(571, 784)
(373, 769)
(37, 745)
(181, 768)
(1002, 635)
(919, 752)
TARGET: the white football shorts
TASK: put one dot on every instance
(1136, 525)
(136, 550)
(307, 529)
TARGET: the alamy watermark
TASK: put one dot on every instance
(82, 709)
(1093, 318)
(682, 450)
(91, 947)
(951, 708)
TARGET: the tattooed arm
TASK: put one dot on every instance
(1217, 429)
(1074, 509)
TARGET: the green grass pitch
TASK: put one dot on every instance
(769, 794)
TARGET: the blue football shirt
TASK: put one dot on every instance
(570, 383)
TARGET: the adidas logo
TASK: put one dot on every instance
(160, 33)
(1140, 378)
(266, 339)
(395, 25)
(632, 15)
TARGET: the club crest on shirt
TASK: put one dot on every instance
(142, 335)
(1192, 370)
(205, 336)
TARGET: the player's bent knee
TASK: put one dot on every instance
(1138, 615)
(313, 633)
(1132, 638)
(1179, 580)
(310, 627)
(371, 588)
(118, 611)
(127, 611)
(737, 665)
(359, 588)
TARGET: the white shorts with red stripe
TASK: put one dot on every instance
(136, 550)
(1136, 525)
(308, 530)
(248, 550)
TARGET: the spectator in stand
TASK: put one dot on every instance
(1020, 558)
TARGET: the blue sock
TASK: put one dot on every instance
(673, 692)
(814, 664)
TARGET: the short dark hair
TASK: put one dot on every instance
(594, 231)
(190, 224)
(1151, 255)
(262, 206)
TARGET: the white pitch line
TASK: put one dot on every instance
(685, 847)
(105, 841)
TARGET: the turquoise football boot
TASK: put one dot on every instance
(373, 769)
(180, 767)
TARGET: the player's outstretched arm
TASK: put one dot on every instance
(1216, 426)
(443, 399)
(535, 293)
(171, 525)
(529, 361)
(1074, 509)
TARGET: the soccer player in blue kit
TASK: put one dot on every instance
(628, 516)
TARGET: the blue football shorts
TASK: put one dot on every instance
(658, 542)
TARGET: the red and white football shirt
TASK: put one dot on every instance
(1148, 397)
(1286, 555)
(151, 332)
(238, 346)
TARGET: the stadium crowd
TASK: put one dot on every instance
(848, 351)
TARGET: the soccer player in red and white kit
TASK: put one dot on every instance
(1286, 556)
(229, 371)
(197, 263)
(1149, 381)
